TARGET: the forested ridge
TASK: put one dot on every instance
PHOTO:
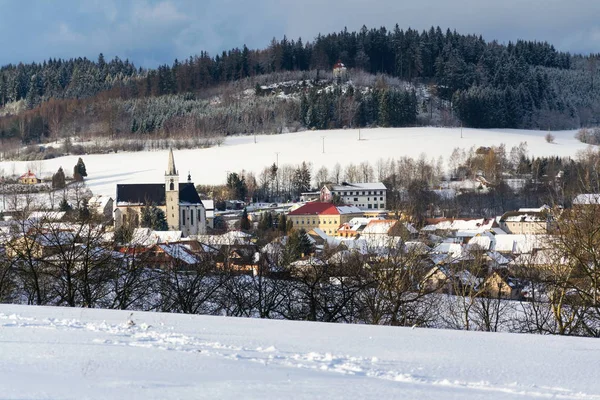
(396, 78)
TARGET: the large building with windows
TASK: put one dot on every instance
(366, 196)
(324, 216)
(184, 211)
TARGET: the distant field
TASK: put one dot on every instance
(210, 166)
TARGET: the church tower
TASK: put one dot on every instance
(172, 194)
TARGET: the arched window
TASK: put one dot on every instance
(172, 185)
(192, 216)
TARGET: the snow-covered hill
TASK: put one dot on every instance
(210, 166)
(48, 352)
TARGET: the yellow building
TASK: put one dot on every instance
(29, 179)
(324, 216)
(526, 221)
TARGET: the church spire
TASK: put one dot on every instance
(171, 170)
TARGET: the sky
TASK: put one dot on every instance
(154, 32)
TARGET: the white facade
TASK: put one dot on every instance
(366, 196)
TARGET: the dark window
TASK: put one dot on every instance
(370, 206)
(183, 217)
(192, 215)
(172, 185)
(356, 199)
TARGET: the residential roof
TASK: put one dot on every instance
(99, 201)
(28, 174)
(443, 224)
(154, 193)
(586, 199)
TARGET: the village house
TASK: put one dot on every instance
(460, 230)
(526, 221)
(353, 227)
(324, 216)
(180, 202)
(39, 245)
(340, 72)
(366, 196)
(29, 178)
(500, 284)
(101, 205)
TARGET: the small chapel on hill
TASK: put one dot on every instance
(180, 202)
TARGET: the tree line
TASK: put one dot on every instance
(485, 84)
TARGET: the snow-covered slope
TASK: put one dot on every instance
(210, 166)
(48, 352)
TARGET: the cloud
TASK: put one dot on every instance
(150, 32)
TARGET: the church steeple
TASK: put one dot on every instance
(171, 170)
(172, 194)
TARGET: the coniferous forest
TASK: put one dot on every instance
(396, 78)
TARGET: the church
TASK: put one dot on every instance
(180, 202)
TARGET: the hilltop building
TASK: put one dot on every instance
(180, 202)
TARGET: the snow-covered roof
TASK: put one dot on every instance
(473, 225)
(587, 199)
(148, 237)
(454, 250)
(518, 244)
(349, 210)
(47, 215)
(179, 252)
(358, 186)
(209, 205)
(99, 201)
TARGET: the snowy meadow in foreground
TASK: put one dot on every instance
(67, 353)
(210, 166)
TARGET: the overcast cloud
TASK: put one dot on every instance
(152, 32)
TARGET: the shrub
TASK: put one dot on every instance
(550, 138)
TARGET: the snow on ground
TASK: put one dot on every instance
(48, 352)
(210, 166)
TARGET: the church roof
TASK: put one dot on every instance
(171, 170)
(154, 193)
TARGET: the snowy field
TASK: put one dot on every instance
(61, 353)
(210, 166)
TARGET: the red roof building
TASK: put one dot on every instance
(324, 216)
(29, 178)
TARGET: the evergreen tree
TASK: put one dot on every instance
(282, 223)
(64, 205)
(58, 179)
(84, 211)
(79, 171)
(153, 218)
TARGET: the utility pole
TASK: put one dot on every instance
(254, 137)
(461, 136)
(323, 137)
(277, 155)
(359, 133)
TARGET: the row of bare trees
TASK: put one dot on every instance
(74, 264)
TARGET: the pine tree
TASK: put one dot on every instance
(64, 205)
(282, 223)
(58, 179)
(79, 171)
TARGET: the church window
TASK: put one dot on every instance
(183, 216)
(172, 186)
(192, 215)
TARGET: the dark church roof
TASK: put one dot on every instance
(154, 193)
